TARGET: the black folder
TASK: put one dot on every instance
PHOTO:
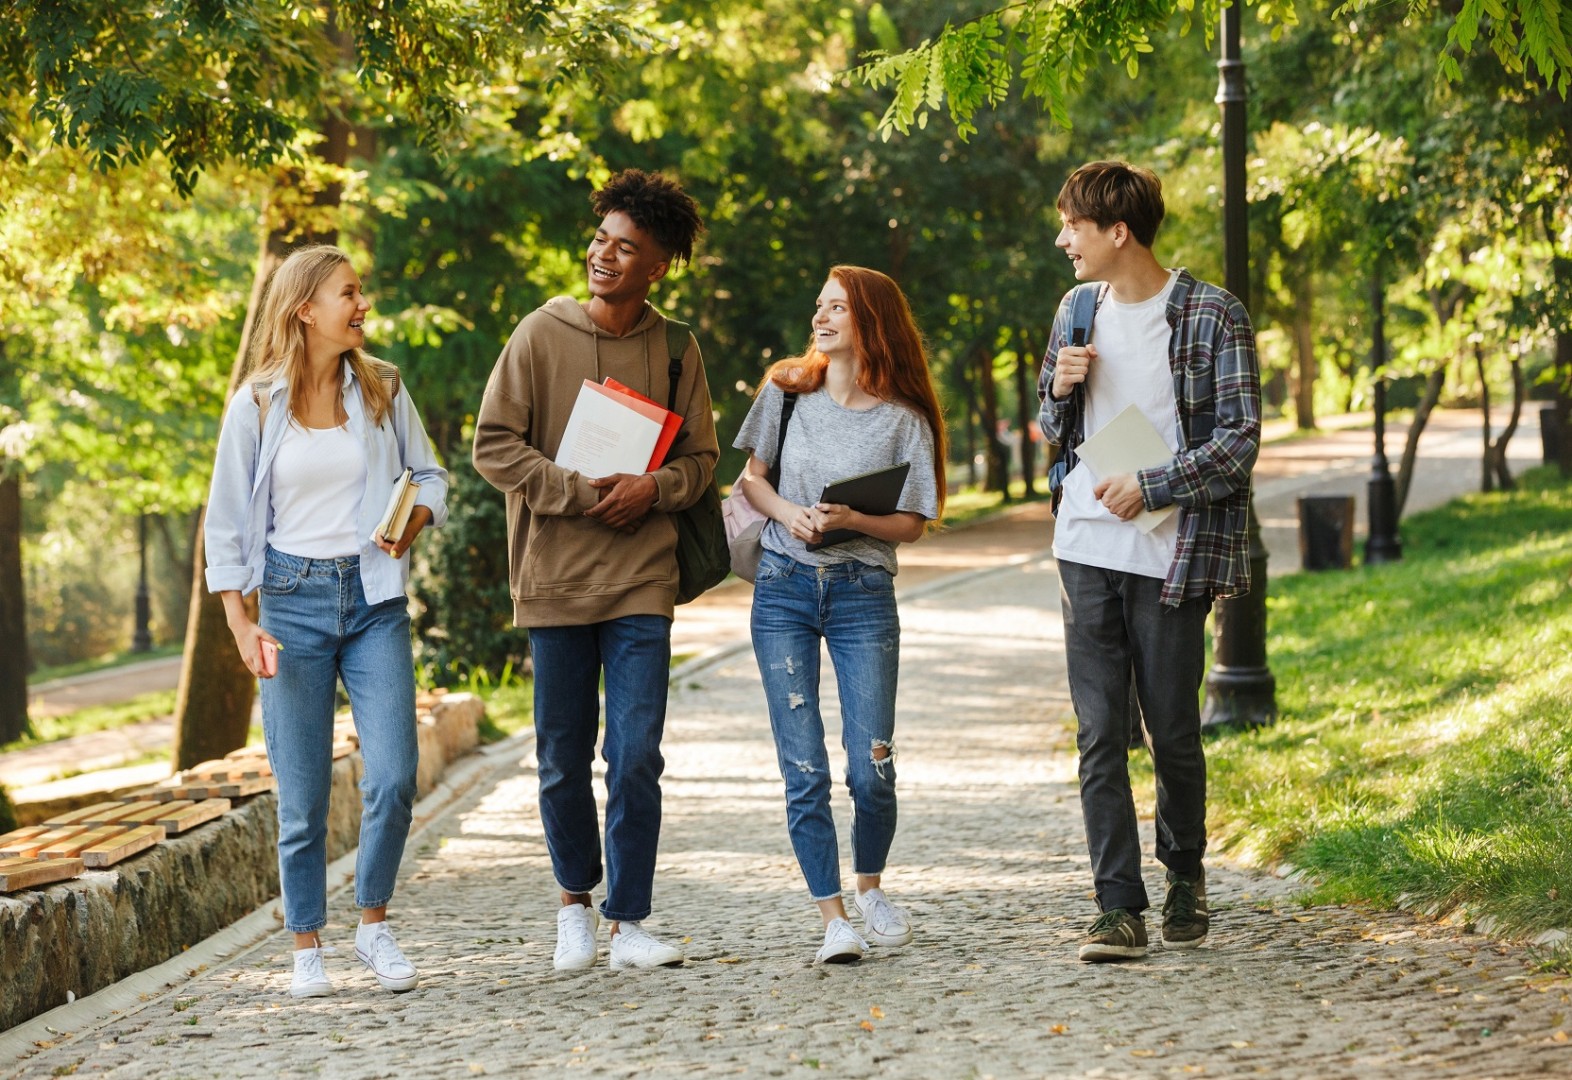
(875, 492)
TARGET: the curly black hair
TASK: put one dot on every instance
(657, 205)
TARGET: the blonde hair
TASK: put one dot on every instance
(281, 335)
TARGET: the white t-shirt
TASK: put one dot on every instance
(1131, 369)
(318, 480)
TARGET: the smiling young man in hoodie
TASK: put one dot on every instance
(593, 563)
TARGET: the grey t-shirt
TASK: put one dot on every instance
(826, 442)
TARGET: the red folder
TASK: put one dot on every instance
(670, 424)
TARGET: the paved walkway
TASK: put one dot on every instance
(990, 859)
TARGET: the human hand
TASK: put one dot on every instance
(831, 516)
(803, 523)
(625, 500)
(1120, 496)
(1070, 368)
(419, 518)
(249, 639)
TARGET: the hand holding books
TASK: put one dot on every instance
(394, 522)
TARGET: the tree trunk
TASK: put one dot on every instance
(1434, 382)
(998, 478)
(971, 426)
(1025, 408)
(1487, 476)
(1498, 457)
(13, 611)
(1304, 353)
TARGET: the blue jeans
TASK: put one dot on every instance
(317, 609)
(634, 652)
(851, 607)
(1114, 626)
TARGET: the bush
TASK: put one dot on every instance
(7, 812)
(467, 618)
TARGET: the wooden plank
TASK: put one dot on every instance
(29, 848)
(24, 833)
(38, 872)
(118, 814)
(148, 812)
(191, 816)
(239, 789)
(75, 817)
(65, 849)
(122, 846)
(193, 792)
(13, 861)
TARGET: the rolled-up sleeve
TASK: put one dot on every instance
(416, 453)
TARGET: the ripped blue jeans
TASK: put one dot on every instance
(851, 608)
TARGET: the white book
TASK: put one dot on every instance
(605, 435)
(1127, 444)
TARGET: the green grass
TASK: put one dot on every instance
(970, 503)
(1423, 755)
(96, 718)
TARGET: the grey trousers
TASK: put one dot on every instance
(1114, 628)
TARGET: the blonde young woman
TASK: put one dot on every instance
(307, 458)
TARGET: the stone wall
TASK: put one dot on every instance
(82, 935)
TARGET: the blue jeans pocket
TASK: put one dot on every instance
(873, 580)
(279, 582)
(771, 566)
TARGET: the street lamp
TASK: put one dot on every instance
(141, 639)
(1240, 689)
(1382, 545)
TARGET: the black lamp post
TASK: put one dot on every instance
(1240, 689)
(141, 639)
(1383, 544)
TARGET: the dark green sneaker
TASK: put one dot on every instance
(1116, 935)
(1185, 916)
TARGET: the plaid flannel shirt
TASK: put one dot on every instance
(1217, 394)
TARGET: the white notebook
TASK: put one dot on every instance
(1127, 444)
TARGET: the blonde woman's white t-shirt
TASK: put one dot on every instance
(317, 482)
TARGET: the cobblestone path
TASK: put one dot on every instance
(991, 862)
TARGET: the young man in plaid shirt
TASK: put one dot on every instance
(1135, 602)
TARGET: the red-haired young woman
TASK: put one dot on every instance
(864, 400)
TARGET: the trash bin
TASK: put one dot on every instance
(1550, 434)
(1326, 531)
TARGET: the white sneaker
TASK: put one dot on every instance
(842, 944)
(376, 948)
(882, 921)
(576, 925)
(310, 980)
(633, 947)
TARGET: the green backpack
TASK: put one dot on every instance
(703, 557)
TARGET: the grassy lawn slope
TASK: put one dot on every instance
(1424, 752)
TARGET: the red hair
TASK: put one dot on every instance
(893, 359)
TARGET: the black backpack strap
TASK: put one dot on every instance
(677, 337)
(788, 406)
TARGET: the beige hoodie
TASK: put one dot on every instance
(566, 569)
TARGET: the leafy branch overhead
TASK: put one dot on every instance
(202, 81)
(1046, 48)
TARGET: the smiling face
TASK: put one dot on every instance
(833, 332)
(1092, 250)
(623, 261)
(336, 312)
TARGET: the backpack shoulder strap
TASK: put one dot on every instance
(261, 398)
(677, 338)
(788, 406)
(1083, 311)
(388, 373)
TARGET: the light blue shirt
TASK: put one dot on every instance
(240, 512)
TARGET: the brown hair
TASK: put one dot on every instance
(281, 350)
(894, 360)
(1108, 192)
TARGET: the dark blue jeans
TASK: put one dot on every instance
(1113, 626)
(634, 652)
